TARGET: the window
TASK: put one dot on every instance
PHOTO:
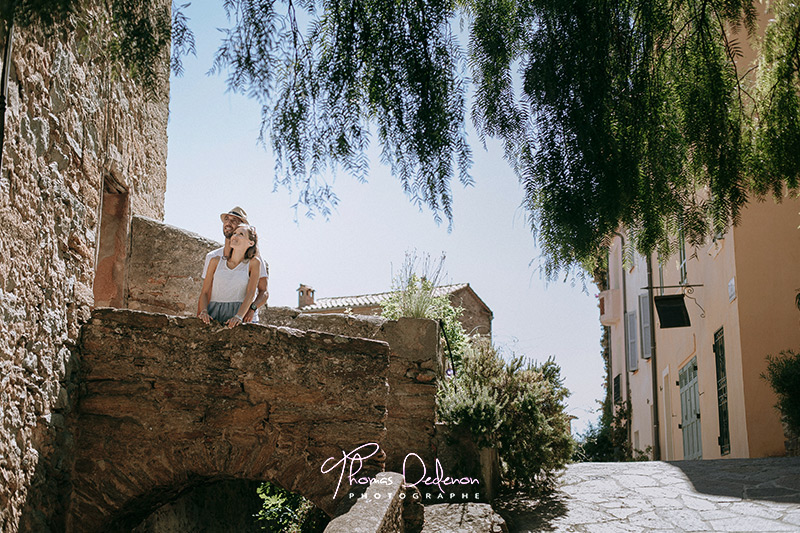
(632, 351)
(682, 259)
(111, 252)
(644, 312)
(617, 389)
(724, 438)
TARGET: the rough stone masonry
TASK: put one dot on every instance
(77, 131)
(168, 403)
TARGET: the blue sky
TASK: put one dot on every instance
(215, 163)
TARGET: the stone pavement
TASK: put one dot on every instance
(734, 495)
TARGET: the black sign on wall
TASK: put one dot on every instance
(672, 311)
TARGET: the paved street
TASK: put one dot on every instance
(734, 495)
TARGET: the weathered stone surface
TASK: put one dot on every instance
(379, 509)
(164, 267)
(709, 495)
(476, 317)
(462, 517)
(416, 355)
(66, 116)
(166, 401)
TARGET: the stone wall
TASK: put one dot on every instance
(475, 317)
(415, 367)
(75, 132)
(168, 403)
(164, 268)
(386, 506)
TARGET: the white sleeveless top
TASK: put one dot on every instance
(230, 285)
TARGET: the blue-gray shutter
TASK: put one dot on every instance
(644, 312)
(630, 332)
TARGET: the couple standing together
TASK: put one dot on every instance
(234, 276)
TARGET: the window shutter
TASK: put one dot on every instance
(644, 312)
(633, 352)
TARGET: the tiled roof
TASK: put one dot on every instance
(373, 300)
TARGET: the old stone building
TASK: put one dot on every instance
(84, 150)
(476, 316)
(108, 414)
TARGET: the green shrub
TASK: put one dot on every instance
(414, 296)
(608, 440)
(516, 408)
(783, 374)
(286, 512)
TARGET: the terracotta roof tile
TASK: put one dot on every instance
(368, 300)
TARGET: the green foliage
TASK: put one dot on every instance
(140, 37)
(359, 63)
(777, 129)
(134, 34)
(45, 13)
(608, 441)
(516, 408)
(286, 512)
(627, 110)
(416, 296)
(783, 374)
(633, 112)
(472, 399)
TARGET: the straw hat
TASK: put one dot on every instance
(237, 212)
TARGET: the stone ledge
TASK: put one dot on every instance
(386, 506)
(165, 401)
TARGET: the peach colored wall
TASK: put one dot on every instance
(639, 381)
(712, 266)
(768, 279)
(617, 336)
(760, 256)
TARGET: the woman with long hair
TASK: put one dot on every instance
(231, 282)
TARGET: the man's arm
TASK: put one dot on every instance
(261, 298)
(205, 292)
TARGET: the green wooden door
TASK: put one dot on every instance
(690, 411)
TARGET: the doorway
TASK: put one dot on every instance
(690, 411)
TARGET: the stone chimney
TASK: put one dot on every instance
(305, 296)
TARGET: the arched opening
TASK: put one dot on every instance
(222, 505)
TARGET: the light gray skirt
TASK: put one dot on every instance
(223, 311)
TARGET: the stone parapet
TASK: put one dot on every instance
(416, 365)
(464, 518)
(386, 506)
(168, 403)
(165, 267)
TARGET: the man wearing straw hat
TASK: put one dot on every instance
(230, 221)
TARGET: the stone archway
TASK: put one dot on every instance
(165, 401)
(207, 505)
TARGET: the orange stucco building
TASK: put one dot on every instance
(699, 394)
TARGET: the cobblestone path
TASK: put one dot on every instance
(733, 495)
